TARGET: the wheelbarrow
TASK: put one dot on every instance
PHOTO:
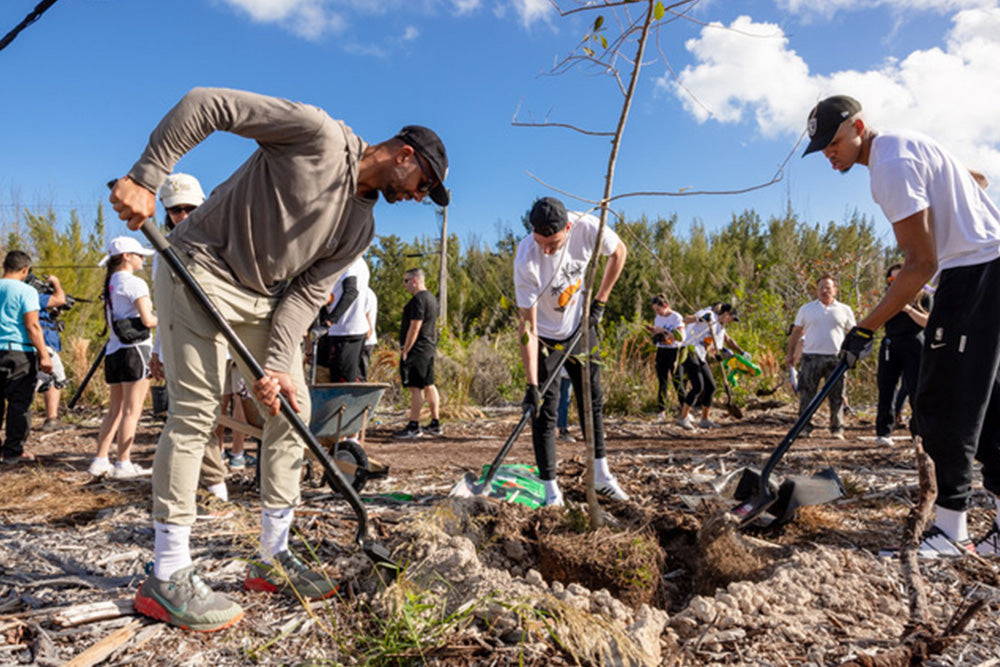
(338, 409)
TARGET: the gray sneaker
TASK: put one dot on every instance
(289, 576)
(186, 601)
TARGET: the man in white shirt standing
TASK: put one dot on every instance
(943, 222)
(821, 326)
(549, 271)
(347, 325)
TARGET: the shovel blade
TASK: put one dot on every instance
(800, 491)
(467, 487)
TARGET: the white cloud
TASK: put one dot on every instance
(950, 93)
(410, 34)
(465, 6)
(828, 8)
(533, 10)
(311, 19)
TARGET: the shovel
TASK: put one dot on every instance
(467, 486)
(766, 496)
(378, 553)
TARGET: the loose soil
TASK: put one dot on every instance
(668, 580)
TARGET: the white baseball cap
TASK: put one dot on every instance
(123, 244)
(181, 190)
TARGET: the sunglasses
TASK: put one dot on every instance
(425, 186)
(183, 208)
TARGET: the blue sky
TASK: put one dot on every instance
(83, 87)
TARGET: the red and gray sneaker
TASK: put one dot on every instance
(186, 601)
(289, 576)
(990, 545)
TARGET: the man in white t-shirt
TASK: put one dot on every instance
(549, 272)
(820, 326)
(341, 350)
(943, 222)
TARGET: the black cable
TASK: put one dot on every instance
(35, 14)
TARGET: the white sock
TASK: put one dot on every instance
(122, 463)
(551, 488)
(171, 549)
(275, 524)
(954, 523)
(102, 459)
(601, 472)
(219, 491)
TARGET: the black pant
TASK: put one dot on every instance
(958, 391)
(897, 357)
(543, 426)
(666, 372)
(699, 375)
(344, 358)
(18, 373)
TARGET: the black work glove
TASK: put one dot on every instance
(531, 399)
(707, 317)
(856, 346)
(725, 353)
(596, 313)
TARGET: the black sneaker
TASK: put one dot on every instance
(434, 428)
(412, 430)
(990, 545)
(289, 576)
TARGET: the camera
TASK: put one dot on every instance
(43, 286)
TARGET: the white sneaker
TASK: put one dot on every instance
(990, 545)
(100, 467)
(687, 423)
(708, 423)
(938, 545)
(554, 499)
(609, 489)
(883, 441)
(662, 416)
(129, 470)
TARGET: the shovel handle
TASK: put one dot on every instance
(160, 243)
(779, 451)
(502, 454)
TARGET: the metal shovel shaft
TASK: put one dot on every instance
(752, 508)
(376, 552)
(526, 415)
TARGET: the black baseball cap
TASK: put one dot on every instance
(728, 308)
(825, 120)
(426, 142)
(547, 216)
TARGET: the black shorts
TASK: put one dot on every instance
(129, 364)
(417, 371)
(344, 361)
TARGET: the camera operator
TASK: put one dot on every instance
(51, 298)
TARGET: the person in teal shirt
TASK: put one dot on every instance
(22, 354)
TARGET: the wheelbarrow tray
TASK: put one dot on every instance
(341, 408)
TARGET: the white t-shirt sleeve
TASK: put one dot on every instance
(527, 281)
(899, 187)
(800, 317)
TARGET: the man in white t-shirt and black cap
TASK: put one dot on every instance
(943, 222)
(548, 278)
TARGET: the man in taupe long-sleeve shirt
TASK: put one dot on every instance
(267, 246)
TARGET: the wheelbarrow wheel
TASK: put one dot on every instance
(351, 452)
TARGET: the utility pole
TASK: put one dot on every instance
(443, 269)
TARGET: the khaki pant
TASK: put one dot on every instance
(194, 359)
